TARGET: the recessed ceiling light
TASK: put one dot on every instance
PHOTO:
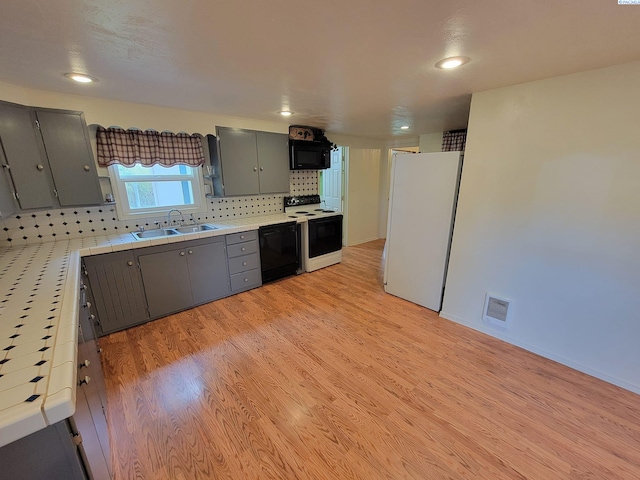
(285, 113)
(404, 127)
(80, 77)
(452, 62)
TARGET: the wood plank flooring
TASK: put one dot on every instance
(324, 376)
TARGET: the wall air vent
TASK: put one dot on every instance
(496, 310)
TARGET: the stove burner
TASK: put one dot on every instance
(329, 211)
(302, 212)
(310, 214)
(292, 216)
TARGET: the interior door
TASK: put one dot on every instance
(332, 182)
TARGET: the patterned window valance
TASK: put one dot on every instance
(454, 141)
(148, 147)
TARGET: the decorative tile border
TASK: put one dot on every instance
(69, 223)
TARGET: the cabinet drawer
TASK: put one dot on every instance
(243, 263)
(246, 280)
(241, 237)
(244, 248)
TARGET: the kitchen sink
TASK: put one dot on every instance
(158, 232)
(195, 228)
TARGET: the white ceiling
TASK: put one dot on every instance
(360, 67)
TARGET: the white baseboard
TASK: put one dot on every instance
(358, 242)
(501, 335)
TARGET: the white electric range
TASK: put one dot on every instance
(321, 232)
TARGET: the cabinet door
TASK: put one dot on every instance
(7, 203)
(273, 160)
(239, 158)
(208, 272)
(166, 282)
(116, 286)
(90, 416)
(23, 150)
(66, 140)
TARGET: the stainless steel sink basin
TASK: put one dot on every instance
(195, 228)
(158, 232)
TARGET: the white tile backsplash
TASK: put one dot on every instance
(74, 223)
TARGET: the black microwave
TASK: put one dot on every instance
(306, 155)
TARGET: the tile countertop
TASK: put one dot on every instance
(39, 309)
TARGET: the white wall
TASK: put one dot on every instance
(365, 153)
(549, 217)
(431, 142)
(364, 202)
(363, 179)
(124, 114)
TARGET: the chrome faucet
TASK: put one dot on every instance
(169, 216)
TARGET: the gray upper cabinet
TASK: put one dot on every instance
(273, 162)
(24, 153)
(66, 139)
(251, 162)
(7, 201)
(49, 157)
(239, 157)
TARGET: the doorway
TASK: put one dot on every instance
(332, 185)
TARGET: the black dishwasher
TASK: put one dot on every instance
(279, 252)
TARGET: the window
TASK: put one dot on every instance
(144, 191)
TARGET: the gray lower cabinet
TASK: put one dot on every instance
(249, 162)
(244, 261)
(76, 448)
(134, 286)
(49, 156)
(117, 289)
(177, 277)
(43, 455)
(90, 418)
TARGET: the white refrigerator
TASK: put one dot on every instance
(422, 201)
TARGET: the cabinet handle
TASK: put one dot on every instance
(130, 263)
(190, 252)
(84, 381)
(83, 286)
(255, 169)
(243, 249)
(246, 279)
(86, 168)
(244, 264)
(84, 364)
(92, 317)
(182, 254)
(40, 167)
(261, 169)
(88, 305)
(241, 237)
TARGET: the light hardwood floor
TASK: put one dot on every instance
(324, 376)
